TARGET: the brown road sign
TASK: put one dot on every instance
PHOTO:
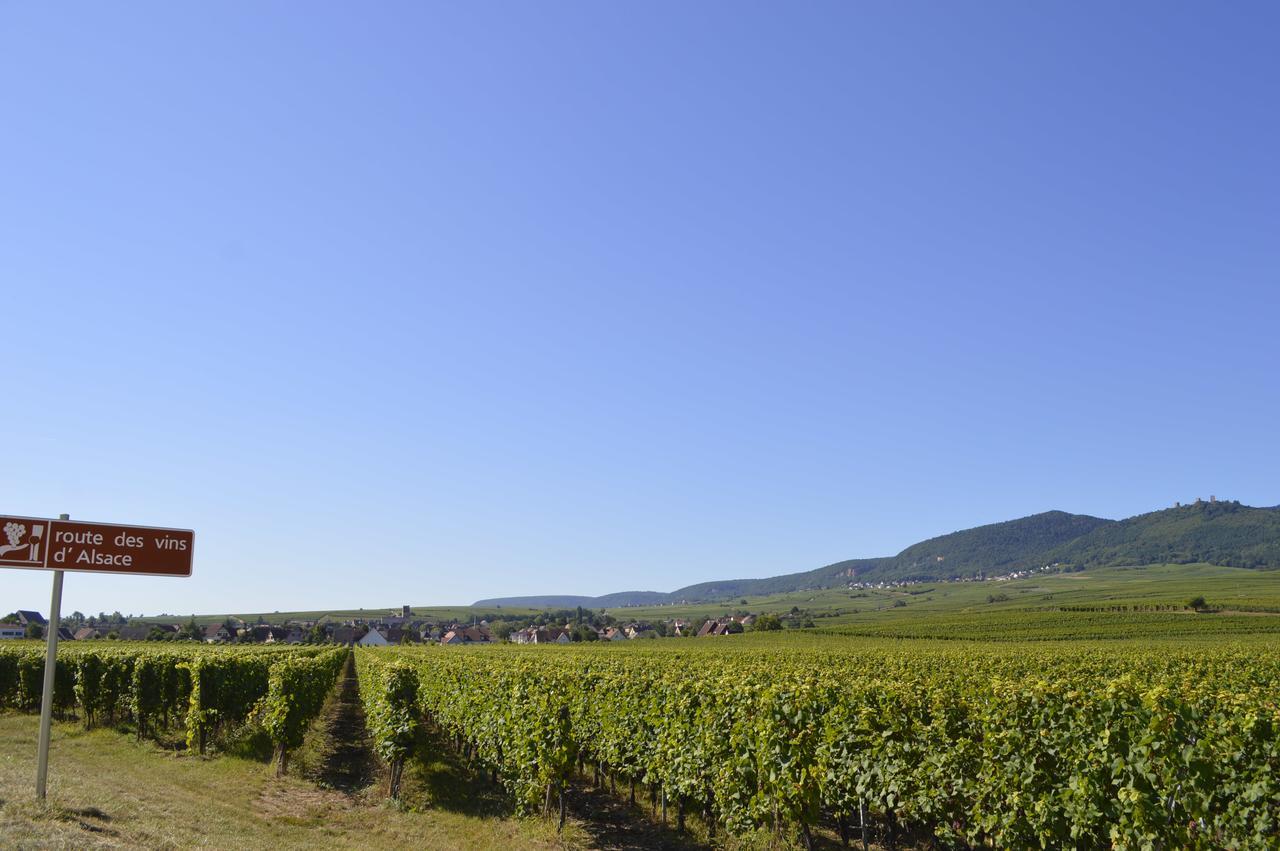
(39, 544)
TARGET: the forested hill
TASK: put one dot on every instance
(995, 548)
(1224, 533)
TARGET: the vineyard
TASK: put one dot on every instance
(789, 740)
(200, 692)
(1054, 746)
(1064, 624)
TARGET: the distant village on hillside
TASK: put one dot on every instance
(562, 626)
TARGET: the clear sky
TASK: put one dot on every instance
(421, 303)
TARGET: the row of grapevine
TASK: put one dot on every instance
(296, 691)
(201, 691)
(389, 694)
(1044, 747)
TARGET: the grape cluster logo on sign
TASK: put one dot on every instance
(23, 547)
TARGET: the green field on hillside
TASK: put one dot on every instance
(1138, 589)
(1114, 602)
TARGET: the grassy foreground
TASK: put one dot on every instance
(107, 790)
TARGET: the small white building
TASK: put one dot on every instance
(11, 632)
(373, 638)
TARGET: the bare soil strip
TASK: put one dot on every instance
(347, 763)
(615, 825)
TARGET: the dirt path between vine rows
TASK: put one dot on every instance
(347, 763)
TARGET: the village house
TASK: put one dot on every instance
(476, 635)
(345, 635)
(86, 633)
(269, 634)
(217, 633)
(552, 635)
(9, 632)
(722, 626)
(25, 617)
(542, 635)
(467, 635)
(373, 638)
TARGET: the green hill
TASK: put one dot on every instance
(994, 548)
(823, 577)
(1222, 533)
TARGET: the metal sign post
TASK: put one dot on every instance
(58, 545)
(50, 662)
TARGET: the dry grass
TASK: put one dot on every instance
(108, 791)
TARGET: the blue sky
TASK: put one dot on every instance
(421, 303)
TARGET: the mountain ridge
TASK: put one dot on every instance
(1226, 533)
